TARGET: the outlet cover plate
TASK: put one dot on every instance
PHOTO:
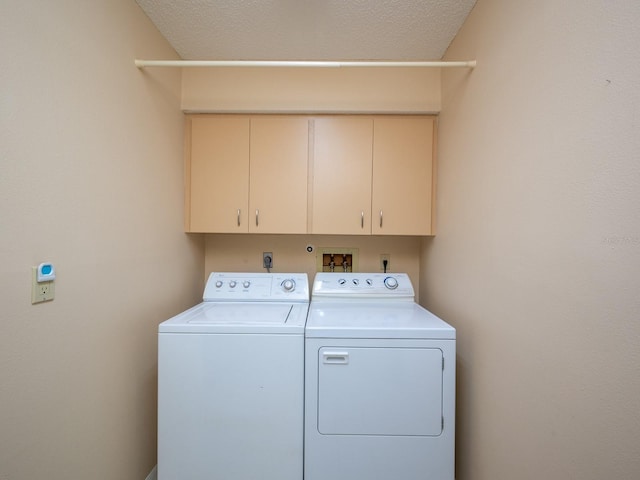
(41, 291)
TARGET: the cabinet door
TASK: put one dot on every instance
(342, 175)
(218, 173)
(402, 176)
(278, 174)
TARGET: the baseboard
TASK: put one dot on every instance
(153, 474)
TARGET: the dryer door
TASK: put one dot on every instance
(380, 391)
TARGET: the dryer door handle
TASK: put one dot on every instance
(335, 358)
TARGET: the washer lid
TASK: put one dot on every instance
(226, 317)
(380, 320)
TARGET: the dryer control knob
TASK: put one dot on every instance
(391, 283)
(246, 284)
(233, 283)
(289, 285)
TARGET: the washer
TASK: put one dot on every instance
(379, 382)
(231, 381)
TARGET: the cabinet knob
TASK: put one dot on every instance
(238, 217)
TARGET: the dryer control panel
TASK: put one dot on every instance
(382, 286)
(273, 287)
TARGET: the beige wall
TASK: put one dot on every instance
(91, 180)
(243, 253)
(537, 256)
(310, 90)
(535, 261)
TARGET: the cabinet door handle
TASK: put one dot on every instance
(362, 219)
(238, 217)
(380, 218)
(257, 216)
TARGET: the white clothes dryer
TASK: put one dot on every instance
(380, 382)
(231, 381)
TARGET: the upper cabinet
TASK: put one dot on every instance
(401, 203)
(341, 195)
(372, 175)
(327, 174)
(278, 174)
(217, 173)
(246, 174)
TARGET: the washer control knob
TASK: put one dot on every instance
(233, 283)
(391, 283)
(342, 281)
(288, 285)
(369, 281)
(218, 283)
(246, 284)
(356, 281)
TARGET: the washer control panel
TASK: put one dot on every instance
(229, 286)
(362, 285)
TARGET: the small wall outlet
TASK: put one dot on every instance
(267, 260)
(41, 291)
(385, 257)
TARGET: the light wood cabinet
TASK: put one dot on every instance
(246, 174)
(217, 174)
(328, 174)
(278, 174)
(372, 175)
(341, 196)
(402, 175)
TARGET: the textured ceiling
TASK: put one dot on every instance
(402, 30)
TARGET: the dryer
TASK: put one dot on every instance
(230, 381)
(379, 382)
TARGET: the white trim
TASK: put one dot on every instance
(153, 474)
(277, 63)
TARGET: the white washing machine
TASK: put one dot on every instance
(231, 381)
(379, 382)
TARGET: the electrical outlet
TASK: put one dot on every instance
(383, 257)
(41, 291)
(267, 260)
